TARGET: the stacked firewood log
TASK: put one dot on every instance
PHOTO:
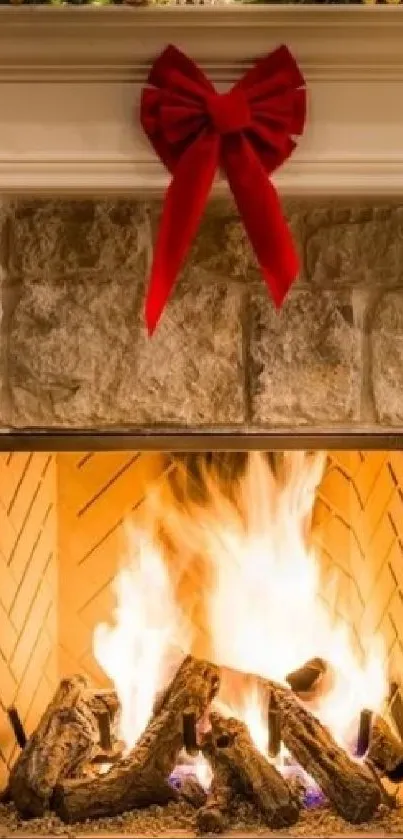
(75, 765)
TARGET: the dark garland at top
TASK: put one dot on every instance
(193, 2)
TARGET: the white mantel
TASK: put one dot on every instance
(70, 80)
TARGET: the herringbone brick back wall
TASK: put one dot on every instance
(358, 525)
(97, 492)
(28, 591)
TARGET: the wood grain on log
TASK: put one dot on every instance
(99, 700)
(385, 750)
(142, 778)
(214, 816)
(259, 779)
(348, 784)
(192, 791)
(396, 706)
(66, 732)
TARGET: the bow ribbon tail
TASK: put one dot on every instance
(261, 213)
(183, 207)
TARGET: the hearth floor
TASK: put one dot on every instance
(176, 821)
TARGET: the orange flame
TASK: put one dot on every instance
(265, 613)
(144, 646)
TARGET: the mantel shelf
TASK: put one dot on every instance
(70, 81)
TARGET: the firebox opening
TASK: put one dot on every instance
(209, 641)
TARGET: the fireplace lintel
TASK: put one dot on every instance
(70, 81)
(196, 441)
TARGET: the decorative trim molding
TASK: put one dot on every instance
(70, 81)
(147, 179)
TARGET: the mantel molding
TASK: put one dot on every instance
(70, 81)
(333, 42)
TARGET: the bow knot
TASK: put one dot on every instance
(248, 132)
(229, 112)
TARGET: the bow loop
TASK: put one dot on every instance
(179, 119)
(249, 131)
(174, 69)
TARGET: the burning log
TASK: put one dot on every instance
(141, 778)
(66, 734)
(348, 785)
(234, 749)
(385, 750)
(214, 816)
(192, 792)
(396, 707)
(311, 681)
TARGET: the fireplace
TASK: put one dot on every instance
(232, 620)
(201, 578)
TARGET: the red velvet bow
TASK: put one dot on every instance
(248, 133)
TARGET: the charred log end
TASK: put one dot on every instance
(189, 733)
(104, 725)
(223, 741)
(304, 679)
(17, 726)
(395, 775)
(274, 726)
(364, 733)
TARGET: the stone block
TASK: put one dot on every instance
(387, 358)
(80, 355)
(62, 237)
(305, 361)
(355, 246)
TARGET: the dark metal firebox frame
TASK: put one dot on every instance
(86, 440)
